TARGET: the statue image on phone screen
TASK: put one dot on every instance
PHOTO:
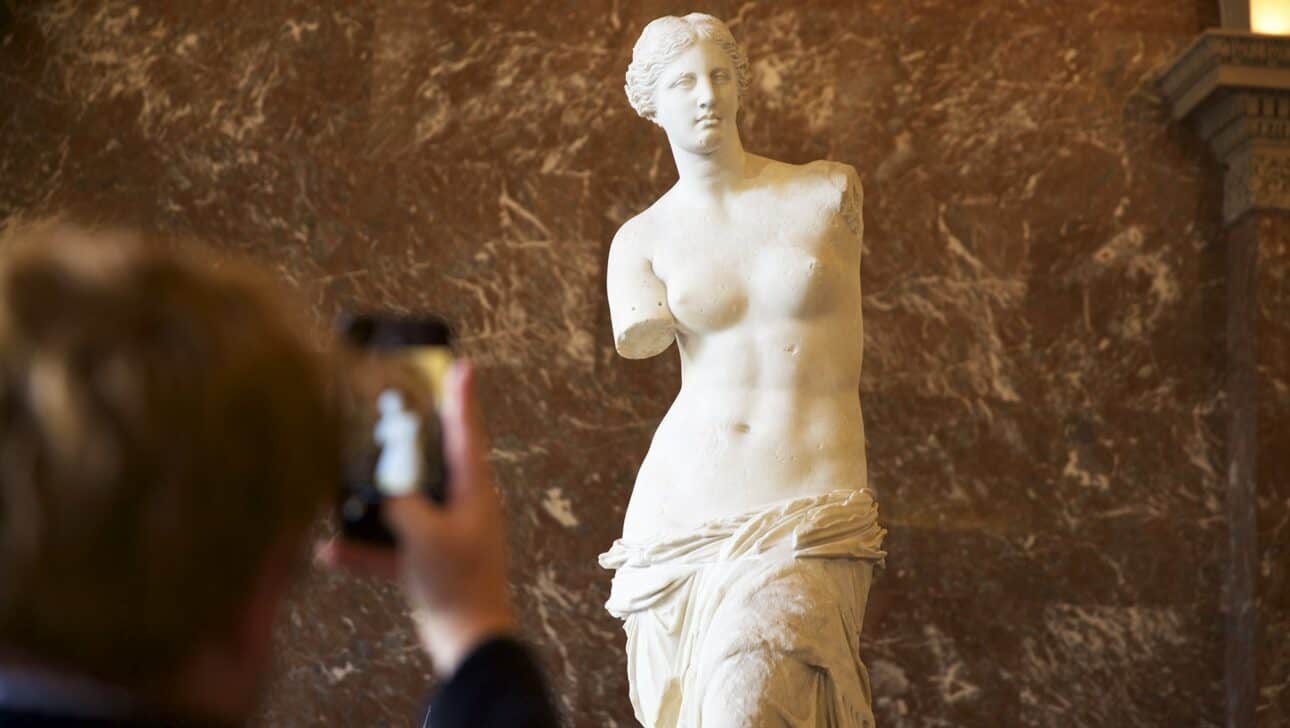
(393, 389)
(750, 539)
(400, 466)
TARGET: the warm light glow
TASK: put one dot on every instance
(1270, 16)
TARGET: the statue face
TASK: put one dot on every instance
(697, 98)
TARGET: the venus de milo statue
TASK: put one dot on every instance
(750, 539)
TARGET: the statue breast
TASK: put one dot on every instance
(776, 254)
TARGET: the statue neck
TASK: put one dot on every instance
(713, 173)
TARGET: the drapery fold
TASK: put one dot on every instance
(752, 620)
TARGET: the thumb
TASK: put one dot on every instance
(464, 441)
(412, 518)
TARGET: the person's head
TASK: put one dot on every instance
(688, 76)
(166, 438)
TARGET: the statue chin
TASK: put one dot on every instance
(705, 142)
(709, 141)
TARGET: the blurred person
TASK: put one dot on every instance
(167, 438)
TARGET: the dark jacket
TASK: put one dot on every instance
(52, 717)
(498, 685)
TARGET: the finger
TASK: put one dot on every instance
(464, 444)
(413, 518)
(358, 559)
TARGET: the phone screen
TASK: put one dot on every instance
(394, 446)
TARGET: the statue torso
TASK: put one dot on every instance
(765, 291)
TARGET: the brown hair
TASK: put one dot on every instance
(163, 423)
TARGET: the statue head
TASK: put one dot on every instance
(688, 76)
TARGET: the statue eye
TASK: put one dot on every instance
(720, 76)
(685, 81)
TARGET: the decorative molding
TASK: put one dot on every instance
(1221, 60)
(1234, 88)
(1270, 179)
(1241, 118)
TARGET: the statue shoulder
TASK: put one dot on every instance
(843, 177)
(845, 185)
(638, 234)
(838, 179)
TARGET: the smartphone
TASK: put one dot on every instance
(394, 393)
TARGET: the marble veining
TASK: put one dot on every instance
(1043, 300)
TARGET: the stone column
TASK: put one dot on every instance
(1233, 87)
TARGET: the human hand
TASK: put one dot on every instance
(451, 559)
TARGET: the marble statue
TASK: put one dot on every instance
(750, 540)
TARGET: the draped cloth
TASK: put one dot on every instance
(752, 620)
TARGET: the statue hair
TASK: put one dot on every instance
(662, 40)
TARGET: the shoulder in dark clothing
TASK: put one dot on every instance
(32, 719)
(499, 684)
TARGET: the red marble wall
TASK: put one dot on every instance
(1271, 234)
(1043, 301)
